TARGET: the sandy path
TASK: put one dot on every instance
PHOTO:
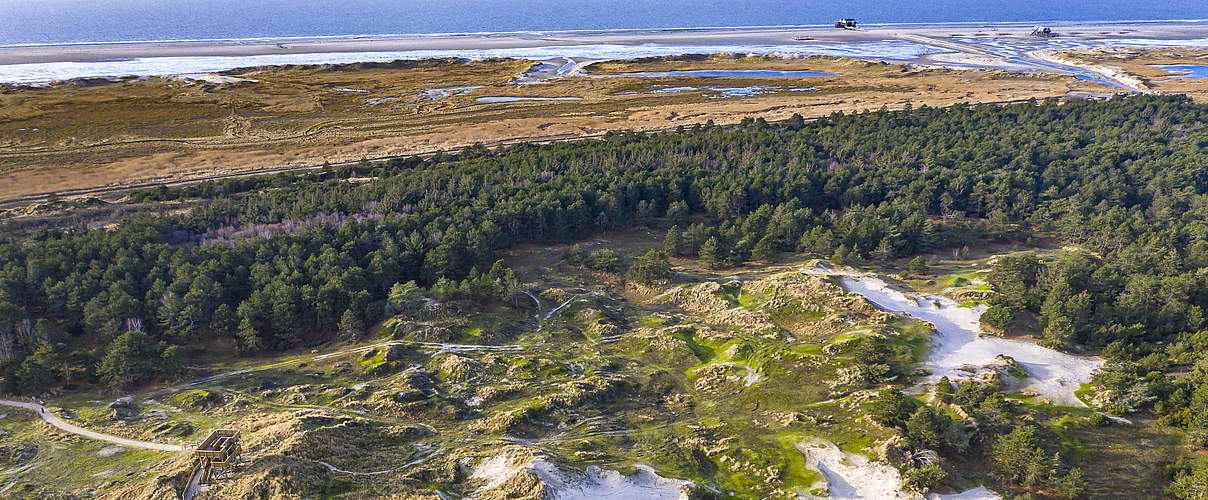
(1113, 74)
(54, 421)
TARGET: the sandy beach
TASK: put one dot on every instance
(793, 36)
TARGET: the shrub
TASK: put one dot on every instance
(998, 316)
(924, 479)
(1191, 485)
(603, 259)
(650, 268)
(891, 408)
(917, 265)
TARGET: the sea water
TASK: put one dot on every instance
(65, 22)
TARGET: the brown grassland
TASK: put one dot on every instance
(91, 134)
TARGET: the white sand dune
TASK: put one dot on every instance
(958, 351)
(956, 346)
(594, 483)
(851, 476)
(979, 493)
(603, 484)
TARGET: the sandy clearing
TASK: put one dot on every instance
(956, 345)
(851, 476)
(594, 483)
(958, 351)
(109, 451)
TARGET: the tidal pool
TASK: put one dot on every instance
(735, 73)
(1189, 71)
(722, 92)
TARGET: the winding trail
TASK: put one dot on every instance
(535, 299)
(56, 422)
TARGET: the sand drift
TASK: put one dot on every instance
(958, 351)
(592, 483)
(851, 476)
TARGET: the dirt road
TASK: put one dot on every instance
(54, 421)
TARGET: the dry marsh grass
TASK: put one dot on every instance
(90, 134)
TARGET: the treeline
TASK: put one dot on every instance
(270, 263)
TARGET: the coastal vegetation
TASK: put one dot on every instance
(94, 133)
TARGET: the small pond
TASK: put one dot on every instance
(723, 92)
(514, 99)
(1191, 71)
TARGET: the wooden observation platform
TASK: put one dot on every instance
(218, 454)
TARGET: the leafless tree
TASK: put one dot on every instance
(7, 347)
(24, 333)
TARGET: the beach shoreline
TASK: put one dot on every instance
(774, 35)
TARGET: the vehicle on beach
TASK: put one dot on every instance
(846, 23)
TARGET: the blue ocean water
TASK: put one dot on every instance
(75, 21)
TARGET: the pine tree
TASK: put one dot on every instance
(709, 253)
(917, 265)
(841, 255)
(129, 358)
(351, 325)
(765, 250)
(249, 338)
(884, 251)
(1059, 334)
(405, 298)
(673, 243)
(943, 390)
(649, 268)
(173, 362)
